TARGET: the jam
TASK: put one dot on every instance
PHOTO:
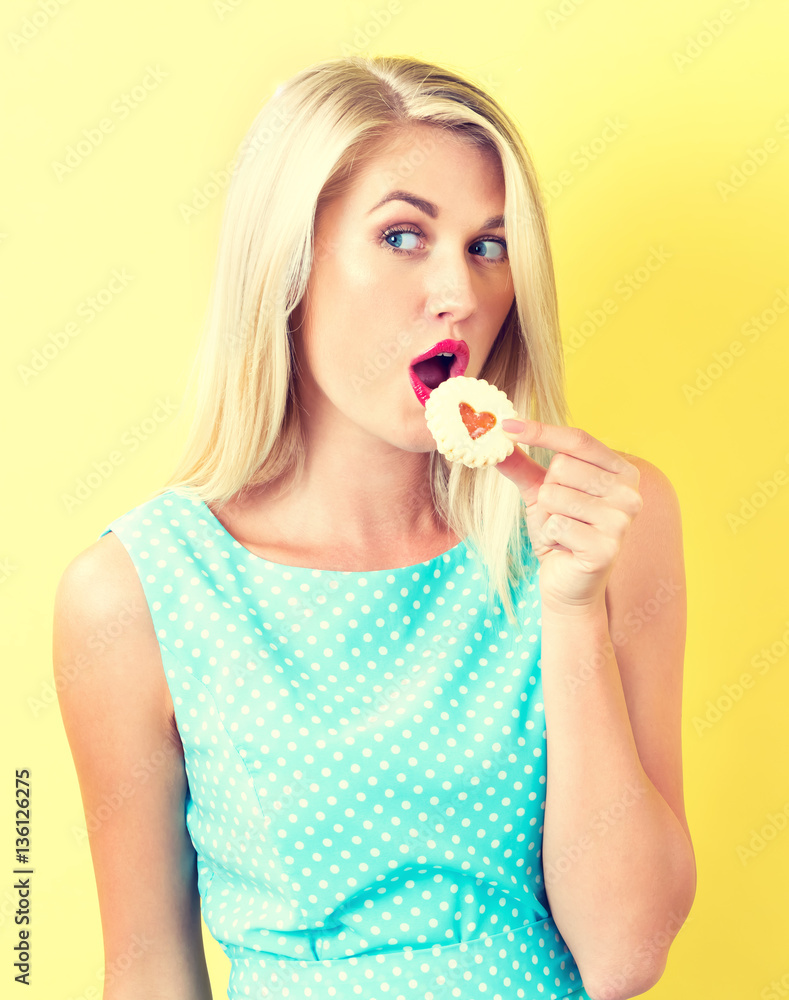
(477, 424)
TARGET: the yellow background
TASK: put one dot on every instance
(562, 68)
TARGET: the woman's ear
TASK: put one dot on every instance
(295, 319)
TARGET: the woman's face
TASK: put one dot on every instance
(391, 280)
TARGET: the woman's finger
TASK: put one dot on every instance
(599, 512)
(570, 440)
(580, 475)
(527, 474)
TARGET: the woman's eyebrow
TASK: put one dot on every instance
(494, 222)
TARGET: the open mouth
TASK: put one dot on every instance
(444, 360)
(433, 371)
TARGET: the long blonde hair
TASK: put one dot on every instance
(300, 151)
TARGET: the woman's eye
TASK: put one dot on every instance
(498, 252)
(400, 240)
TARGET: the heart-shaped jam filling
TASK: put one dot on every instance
(477, 424)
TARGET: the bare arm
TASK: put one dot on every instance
(620, 867)
(117, 713)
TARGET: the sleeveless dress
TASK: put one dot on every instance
(366, 765)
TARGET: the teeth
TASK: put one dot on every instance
(445, 354)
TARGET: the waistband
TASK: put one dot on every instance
(531, 962)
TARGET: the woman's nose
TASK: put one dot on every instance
(450, 290)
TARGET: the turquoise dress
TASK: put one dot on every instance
(366, 765)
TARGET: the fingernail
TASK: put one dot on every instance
(513, 426)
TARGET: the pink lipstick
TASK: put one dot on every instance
(444, 360)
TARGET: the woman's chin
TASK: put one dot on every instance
(420, 440)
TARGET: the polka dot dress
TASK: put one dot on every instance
(366, 761)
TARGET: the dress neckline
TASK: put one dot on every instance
(340, 572)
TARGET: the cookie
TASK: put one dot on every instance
(464, 416)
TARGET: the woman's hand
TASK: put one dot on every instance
(578, 510)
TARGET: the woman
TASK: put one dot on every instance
(333, 732)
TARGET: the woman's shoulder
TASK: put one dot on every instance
(104, 637)
(101, 576)
(660, 498)
(646, 468)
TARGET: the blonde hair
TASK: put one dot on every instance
(320, 125)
